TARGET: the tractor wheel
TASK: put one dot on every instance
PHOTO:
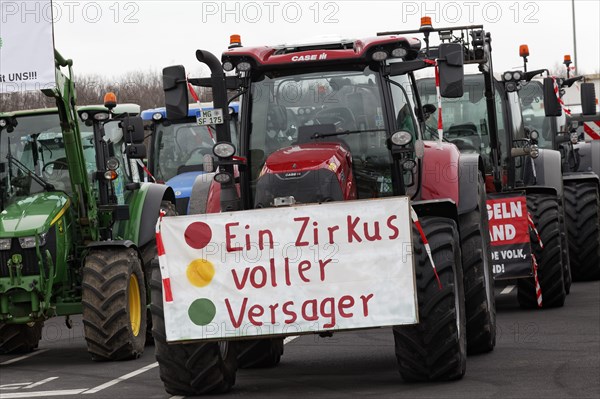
(564, 249)
(149, 253)
(544, 211)
(189, 369)
(20, 338)
(436, 348)
(582, 209)
(480, 302)
(259, 353)
(114, 303)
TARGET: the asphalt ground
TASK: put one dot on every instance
(553, 353)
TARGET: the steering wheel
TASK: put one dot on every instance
(198, 150)
(53, 163)
(341, 117)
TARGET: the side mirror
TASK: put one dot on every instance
(428, 110)
(452, 72)
(551, 105)
(133, 129)
(588, 99)
(135, 151)
(176, 92)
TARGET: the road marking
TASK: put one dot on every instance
(41, 394)
(290, 339)
(507, 290)
(18, 359)
(122, 378)
(37, 384)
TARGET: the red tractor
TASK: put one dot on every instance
(342, 121)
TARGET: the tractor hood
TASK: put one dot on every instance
(32, 215)
(304, 157)
(182, 184)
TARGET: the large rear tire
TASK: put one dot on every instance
(114, 304)
(259, 353)
(480, 302)
(189, 369)
(582, 209)
(564, 249)
(435, 349)
(19, 338)
(544, 211)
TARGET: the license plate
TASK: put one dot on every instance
(212, 117)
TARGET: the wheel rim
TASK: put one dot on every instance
(135, 305)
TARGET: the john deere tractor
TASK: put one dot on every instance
(76, 231)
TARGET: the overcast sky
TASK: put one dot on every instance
(110, 37)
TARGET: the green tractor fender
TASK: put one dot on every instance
(144, 209)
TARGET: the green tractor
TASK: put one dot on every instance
(76, 228)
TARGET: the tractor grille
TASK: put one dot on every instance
(181, 204)
(30, 259)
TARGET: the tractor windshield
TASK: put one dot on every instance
(31, 155)
(179, 147)
(327, 106)
(465, 119)
(534, 116)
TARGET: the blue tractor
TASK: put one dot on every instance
(178, 149)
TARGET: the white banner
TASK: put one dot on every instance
(26, 46)
(292, 270)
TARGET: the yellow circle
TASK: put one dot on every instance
(200, 272)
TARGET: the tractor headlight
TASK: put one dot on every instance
(84, 116)
(29, 242)
(224, 150)
(534, 151)
(534, 135)
(574, 138)
(507, 76)
(157, 116)
(399, 52)
(112, 163)
(228, 66)
(3, 123)
(101, 116)
(516, 76)
(244, 66)
(5, 244)
(223, 178)
(401, 138)
(379, 56)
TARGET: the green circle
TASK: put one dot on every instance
(202, 312)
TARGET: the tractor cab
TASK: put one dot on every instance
(32, 155)
(320, 122)
(178, 148)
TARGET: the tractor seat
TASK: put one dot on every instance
(464, 129)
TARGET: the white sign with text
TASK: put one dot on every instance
(291, 270)
(26, 46)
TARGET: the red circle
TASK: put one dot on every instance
(198, 235)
